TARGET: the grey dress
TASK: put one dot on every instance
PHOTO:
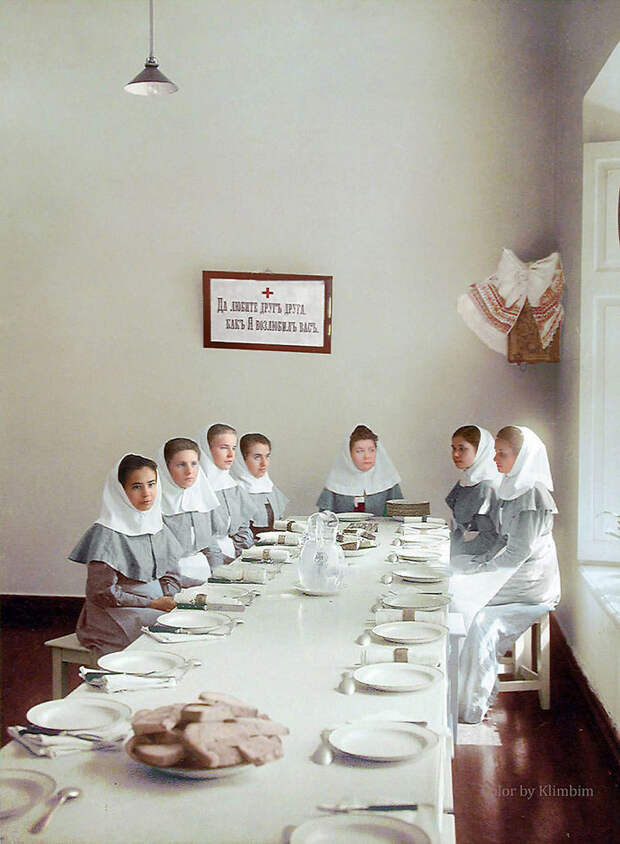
(125, 573)
(374, 504)
(268, 506)
(474, 509)
(194, 532)
(232, 518)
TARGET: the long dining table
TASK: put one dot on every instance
(288, 659)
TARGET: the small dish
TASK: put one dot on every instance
(141, 662)
(410, 632)
(316, 593)
(353, 517)
(193, 619)
(364, 829)
(78, 714)
(416, 601)
(383, 741)
(397, 676)
(22, 789)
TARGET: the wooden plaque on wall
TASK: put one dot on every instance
(524, 344)
(267, 311)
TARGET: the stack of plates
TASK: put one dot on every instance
(400, 507)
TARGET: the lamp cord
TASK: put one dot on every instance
(151, 29)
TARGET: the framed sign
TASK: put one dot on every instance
(269, 311)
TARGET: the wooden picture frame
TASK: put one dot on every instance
(240, 314)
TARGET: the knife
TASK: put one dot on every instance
(374, 807)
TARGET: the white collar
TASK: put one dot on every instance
(345, 478)
(483, 468)
(119, 514)
(246, 479)
(218, 478)
(530, 467)
(198, 498)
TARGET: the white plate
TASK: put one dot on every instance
(23, 789)
(354, 517)
(78, 714)
(425, 520)
(363, 828)
(418, 555)
(214, 592)
(316, 593)
(410, 632)
(358, 552)
(141, 662)
(419, 574)
(397, 676)
(416, 601)
(196, 773)
(383, 741)
(193, 619)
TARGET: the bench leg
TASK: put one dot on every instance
(543, 649)
(57, 674)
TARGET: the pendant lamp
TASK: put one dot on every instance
(151, 81)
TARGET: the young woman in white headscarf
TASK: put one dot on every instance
(362, 478)
(524, 524)
(251, 470)
(231, 520)
(187, 505)
(131, 557)
(473, 499)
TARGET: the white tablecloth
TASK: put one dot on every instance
(287, 659)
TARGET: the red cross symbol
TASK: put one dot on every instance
(267, 292)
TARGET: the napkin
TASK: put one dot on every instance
(123, 682)
(168, 637)
(382, 616)
(272, 537)
(62, 745)
(430, 653)
(239, 572)
(276, 555)
(292, 525)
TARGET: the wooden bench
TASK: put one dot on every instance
(66, 649)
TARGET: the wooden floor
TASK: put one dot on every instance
(523, 776)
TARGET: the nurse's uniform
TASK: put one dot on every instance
(188, 512)
(473, 501)
(231, 520)
(132, 559)
(348, 489)
(269, 502)
(524, 525)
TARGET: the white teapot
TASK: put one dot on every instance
(321, 563)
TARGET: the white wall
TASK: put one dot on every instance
(398, 146)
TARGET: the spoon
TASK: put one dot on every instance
(324, 754)
(387, 578)
(59, 798)
(364, 639)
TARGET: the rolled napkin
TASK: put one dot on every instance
(427, 654)
(292, 526)
(239, 572)
(62, 745)
(268, 554)
(382, 616)
(123, 682)
(272, 537)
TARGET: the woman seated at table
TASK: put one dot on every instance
(473, 500)
(525, 540)
(231, 520)
(131, 557)
(187, 506)
(362, 478)
(251, 470)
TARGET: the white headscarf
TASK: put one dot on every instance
(174, 499)
(119, 514)
(483, 468)
(246, 479)
(218, 478)
(530, 467)
(346, 479)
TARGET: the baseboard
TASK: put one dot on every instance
(34, 611)
(600, 718)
